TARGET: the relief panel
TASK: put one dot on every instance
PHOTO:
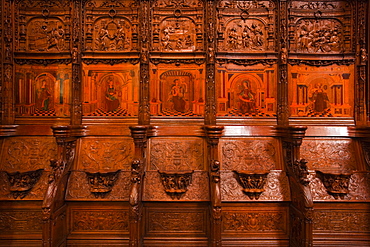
(84, 220)
(321, 91)
(177, 92)
(172, 154)
(246, 26)
(245, 92)
(110, 91)
(20, 221)
(42, 91)
(111, 26)
(249, 154)
(275, 189)
(329, 154)
(320, 27)
(43, 26)
(177, 26)
(341, 221)
(105, 154)
(197, 190)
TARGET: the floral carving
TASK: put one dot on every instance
(22, 182)
(253, 182)
(176, 183)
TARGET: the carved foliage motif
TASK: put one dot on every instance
(248, 154)
(20, 221)
(99, 220)
(105, 154)
(329, 154)
(254, 221)
(341, 221)
(173, 155)
(22, 183)
(25, 154)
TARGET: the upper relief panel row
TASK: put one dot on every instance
(111, 26)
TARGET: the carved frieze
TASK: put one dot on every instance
(254, 221)
(276, 187)
(105, 153)
(95, 220)
(27, 153)
(172, 154)
(198, 190)
(80, 189)
(248, 154)
(21, 183)
(341, 221)
(20, 221)
(329, 154)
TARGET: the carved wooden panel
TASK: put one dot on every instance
(320, 26)
(88, 220)
(43, 91)
(249, 154)
(27, 153)
(111, 26)
(174, 154)
(329, 154)
(176, 221)
(276, 187)
(105, 153)
(177, 26)
(358, 190)
(177, 92)
(79, 189)
(43, 26)
(20, 221)
(321, 91)
(110, 90)
(246, 26)
(198, 190)
(246, 92)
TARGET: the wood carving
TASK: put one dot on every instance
(300, 170)
(21, 183)
(176, 183)
(253, 182)
(336, 183)
(101, 183)
(20, 221)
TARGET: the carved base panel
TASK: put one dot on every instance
(276, 187)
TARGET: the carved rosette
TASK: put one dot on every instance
(176, 183)
(21, 183)
(101, 183)
(336, 183)
(253, 182)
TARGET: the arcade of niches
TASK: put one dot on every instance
(184, 123)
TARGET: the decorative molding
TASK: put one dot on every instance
(253, 182)
(177, 62)
(21, 183)
(336, 183)
(319, 63)
(176, 183)
(101, 183)
(112, 61)
(247, 62)
(44, 62)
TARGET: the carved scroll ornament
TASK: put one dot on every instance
(336, 183)
(101, 183)
(22, 182)
(176, 183)
(253, 182)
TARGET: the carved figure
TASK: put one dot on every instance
(247, 99)
(43, 97)
(177, 95)
(101, 40)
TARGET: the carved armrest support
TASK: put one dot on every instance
(21, 183)
(176, 183)
(335, 182)
(253, 182)
(101, 183)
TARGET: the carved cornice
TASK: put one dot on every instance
(112, 61)
(253, 182)
(44, 62)
(336, 183)
(321, 62)
(176, 183)
(21, 183)
(101, 183)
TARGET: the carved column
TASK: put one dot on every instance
(76, 111)
(282, 107)
(301, 207)
(210, 108)
(213, 134)
(53, 205)
(144, 39)
(139, 134)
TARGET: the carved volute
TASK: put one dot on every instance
(176, 183)
(253, 182)
(21, 183)
(101, 183)
(336, 183)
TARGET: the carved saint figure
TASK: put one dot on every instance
(247, 99)
(177, 95)
(111, 97)
(319, 98)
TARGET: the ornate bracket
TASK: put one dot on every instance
(176, 183)
(252, 182)
(22, 182)
(336, 183)
(101, 183)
